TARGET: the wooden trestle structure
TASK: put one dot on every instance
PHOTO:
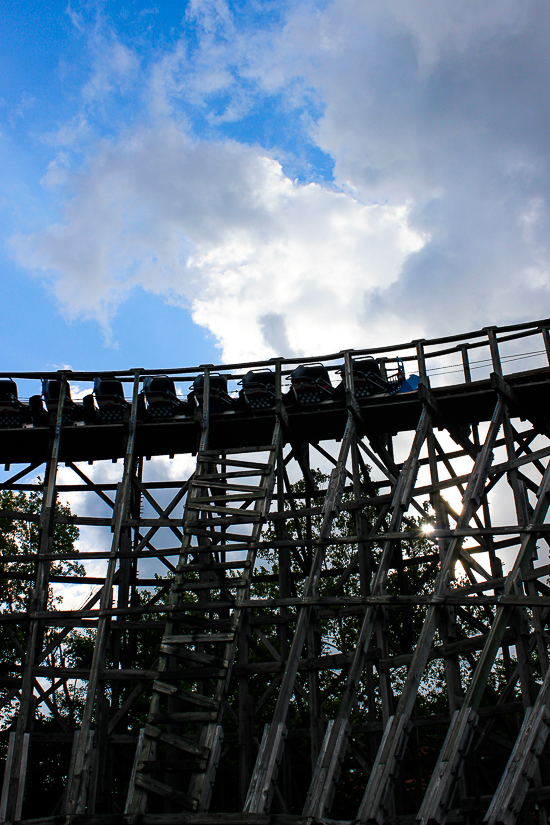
(264, 643)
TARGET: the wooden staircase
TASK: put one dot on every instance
(179, 748)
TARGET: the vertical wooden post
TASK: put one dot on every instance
(546, 340)
(466, 364)
(493, 346)
(522, 513)
(386, 767)
(77, 794)
(265, 770)
(421, 359)
(323, 783)
(205, 419)
(38, 602)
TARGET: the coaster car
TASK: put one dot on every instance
(12, 412)
(396, 377)
(219, 397)
(410, 384)
(51, 388)
(258, 391)
(106, 405)
(158, 398)
(367, 378)
(39, 413)
(310, 384)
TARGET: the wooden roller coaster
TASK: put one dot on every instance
(320, 597)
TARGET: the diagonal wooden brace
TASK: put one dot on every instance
(373, 808)
(440, 793)
(262, 785)
(514, 784)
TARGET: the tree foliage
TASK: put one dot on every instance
(21, 538)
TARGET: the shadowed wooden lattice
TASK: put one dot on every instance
(266, 641)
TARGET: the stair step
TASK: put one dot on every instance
(225, 485)
(211, 568)
(180, 742)
(193, 656)
(252, 494)
(198, 481)
(234, 451)
(195, 674)
(218, 584)
(215, 604)
(246, 465)
(248, 515)
(161, 789)
(217, 625)
(183, 716)
(185, 695)
(174, 765)
(192, 526)
(198, 638)
(241, 538)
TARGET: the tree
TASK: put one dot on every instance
(21, 538)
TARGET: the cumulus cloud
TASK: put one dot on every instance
(261, 260)
(443, 106)
(435, 116)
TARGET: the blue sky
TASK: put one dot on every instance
(185, 183)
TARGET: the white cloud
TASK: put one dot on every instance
(220, 228)
(442, 106)
(435, 115)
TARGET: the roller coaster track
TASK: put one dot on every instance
(256, 640)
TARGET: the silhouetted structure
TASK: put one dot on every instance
(264, 643)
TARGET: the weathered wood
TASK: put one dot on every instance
(439, 795)
(76, 795)
(14, 790)
(510, 795)
(443, 773)
(327, 769)
(198, 682)
(261, 789)
(176, 645)
(381, 782)
(265, 770)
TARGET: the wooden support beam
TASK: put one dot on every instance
(327, 770)
(510, 795)
(436, 807)
(14, 783)
(380, 785)
(265, 771)
(77, 791)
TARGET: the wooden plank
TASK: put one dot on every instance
(265, 769)
(39, 597)
(269, 757)
(327, 769)
(439, 795)
(186, 695)
(180, 742)
(510, 795)
(380, 784)
(166, 791)
(443, 774)
(76, 799)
